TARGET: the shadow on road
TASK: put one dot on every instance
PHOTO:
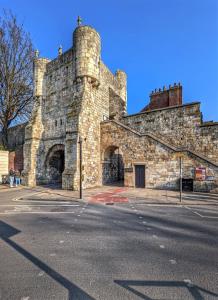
(75, 293)
(195, 291)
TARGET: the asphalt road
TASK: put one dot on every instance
(89, 251)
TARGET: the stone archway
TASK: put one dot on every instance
(54, 164)
(113, 166)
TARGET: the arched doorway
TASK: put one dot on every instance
(113, 166)
(55, 164)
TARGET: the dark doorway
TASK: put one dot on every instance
(140, 176)
(187, 184)
(55, 165)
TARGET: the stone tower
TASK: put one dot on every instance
(73, 94)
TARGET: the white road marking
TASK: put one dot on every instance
(43, 201)
(140, 217)
(144, 222)
(200, 215)
(173, 261)
(52, 254)
(162, 246)
(61, 242)
(25, 298)
(155, 236)
(34, 205)
(188, 282)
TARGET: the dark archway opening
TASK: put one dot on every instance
(55, 165)
(113, 167)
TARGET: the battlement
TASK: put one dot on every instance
(161, 98)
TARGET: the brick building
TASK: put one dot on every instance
(76, 95)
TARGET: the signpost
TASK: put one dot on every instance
(200, 174)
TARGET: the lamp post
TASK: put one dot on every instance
(180, 180)
(80, 167)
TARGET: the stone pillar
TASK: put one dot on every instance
(34, 129)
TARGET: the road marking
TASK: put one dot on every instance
(173, 261)
(162, 246)
(155, 236)
(200, 215)
(42, 201)
(35, 205)
(140, 217)
(35, 212)
(188, 282)
(52, 254)
(144, 222)
(61, 242)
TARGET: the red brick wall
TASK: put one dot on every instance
(16, 159)
(165, 98)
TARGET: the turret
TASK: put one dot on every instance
(39, 68)
(87, 51)
(122, 81)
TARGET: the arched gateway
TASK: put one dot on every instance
(113, 166)
(54, 164)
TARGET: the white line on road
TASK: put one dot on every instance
(35, 205)
(35, 212)
(200, 215)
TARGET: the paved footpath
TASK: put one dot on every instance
(54, 246)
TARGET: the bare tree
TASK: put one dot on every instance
(16, 74)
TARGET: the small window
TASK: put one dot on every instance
(61, 122)
(56, 123)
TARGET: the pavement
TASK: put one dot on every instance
(116, 194)
(55, 246)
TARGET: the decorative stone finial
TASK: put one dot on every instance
(79, 21)
(36, 53)
(60, 50)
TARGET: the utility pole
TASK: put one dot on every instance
(80, 168)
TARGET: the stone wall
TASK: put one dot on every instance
(181, 126)
(162, 164)
(16, 136)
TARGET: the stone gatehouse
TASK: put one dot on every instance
(76, 96)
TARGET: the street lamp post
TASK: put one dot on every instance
(80, 167)
(180, 181)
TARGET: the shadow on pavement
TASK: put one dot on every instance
(75, 293)
(194, 290)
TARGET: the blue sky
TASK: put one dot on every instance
(157, 42)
